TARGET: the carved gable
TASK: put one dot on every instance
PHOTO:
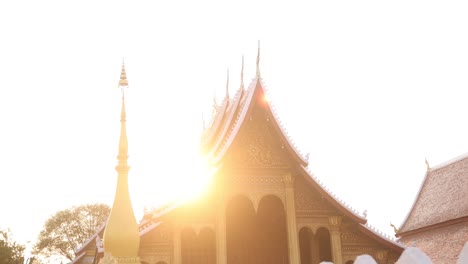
(257, 145)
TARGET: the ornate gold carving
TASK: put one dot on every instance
(307, 199)
(288, 180)
(381, 255)
(260, 180)
(334, 221)
(256, 146)
(355, 237)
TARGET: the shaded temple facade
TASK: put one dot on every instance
(263, 205)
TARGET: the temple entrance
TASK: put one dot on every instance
(256, 238)
(314, 248)
(199, 249)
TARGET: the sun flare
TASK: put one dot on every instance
(174, 182)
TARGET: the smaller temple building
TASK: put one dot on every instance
(438, 220)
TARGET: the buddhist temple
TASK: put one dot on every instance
(438, 220)
(263, 204)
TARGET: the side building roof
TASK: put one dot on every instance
(442, 198)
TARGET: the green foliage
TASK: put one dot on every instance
(69, 229)
(10, 251)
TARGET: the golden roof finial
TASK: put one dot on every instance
(242, 72)
(227, 84)
(395, 229)
(258, 60)
(123, 76)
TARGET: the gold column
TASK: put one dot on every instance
(335, 237)
(177, 245)
(293, 241)
(221, 249)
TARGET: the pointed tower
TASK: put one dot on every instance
(258, 60)
(121, 236)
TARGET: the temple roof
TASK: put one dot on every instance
(442, 196)
(230, 117)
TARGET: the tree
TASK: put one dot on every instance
(10, 251)
(69, 229)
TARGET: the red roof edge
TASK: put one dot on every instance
(434, 226)
(382, 238)
(402, 226)
(78, 258)
(291, 147)
(349, 212)
(92, 238)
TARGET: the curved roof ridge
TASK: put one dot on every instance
(381, 235)
(225, 130)
(236, 125)
(331, 195)
(416, 198)
(92, 238)
(216, 120)
(450, 161)
(282, 128)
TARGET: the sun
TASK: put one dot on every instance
(172, 181)
(197, 179)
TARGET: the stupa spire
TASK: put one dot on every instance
(123, 82)
(242, 73)
(258, 60)
(121, 236)
(227, 84)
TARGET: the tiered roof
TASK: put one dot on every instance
(442, 198)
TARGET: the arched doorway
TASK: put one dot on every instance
(207, 246)
(240, 231)
(256, 238)
(324, 246)
(199, 249)
(272, 231)
(188, 246)
(305, 245)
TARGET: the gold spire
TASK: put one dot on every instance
(258, 60)
(242, 72)
(123, 76)
(121, 236)
(227, 84)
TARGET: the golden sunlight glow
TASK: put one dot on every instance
(175, 181)
(198, 178)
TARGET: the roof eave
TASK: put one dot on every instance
(332, 199)
(433, 226)
(416, 199)
(380, 238)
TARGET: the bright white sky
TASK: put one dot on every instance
(368, 88)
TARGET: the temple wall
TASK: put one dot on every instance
(442, 245)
